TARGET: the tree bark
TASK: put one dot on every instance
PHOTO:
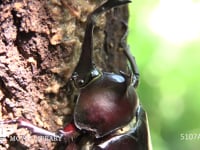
(40, 43)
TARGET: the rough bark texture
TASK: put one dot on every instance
(40, 44)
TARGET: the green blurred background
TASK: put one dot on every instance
(164, 36)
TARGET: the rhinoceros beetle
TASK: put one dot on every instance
(107, 113)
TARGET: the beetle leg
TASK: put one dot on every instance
(130, 57)
(137, 138)
(134, 67)
(141, 130)
(68, 133)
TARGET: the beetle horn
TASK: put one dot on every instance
(85, 68)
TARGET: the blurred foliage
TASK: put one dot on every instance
(164, 36)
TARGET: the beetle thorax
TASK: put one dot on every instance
(105, 105)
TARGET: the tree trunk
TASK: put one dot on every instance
(40, 45)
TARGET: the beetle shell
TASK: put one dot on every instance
(137, 137)
(105, 104)
(126, 142)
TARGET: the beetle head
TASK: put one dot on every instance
(85, 71)
(81, 80)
